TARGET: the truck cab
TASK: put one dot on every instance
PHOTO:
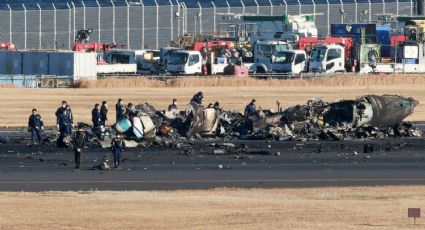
(292, 61)
(185, 62)
(327, 59)
(265, 53)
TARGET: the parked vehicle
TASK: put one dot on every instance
(265, 56)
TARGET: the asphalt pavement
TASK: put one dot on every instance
(206, 164)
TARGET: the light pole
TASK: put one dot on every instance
(196, 20)
(342, 12)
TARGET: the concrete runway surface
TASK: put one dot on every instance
(262, 164)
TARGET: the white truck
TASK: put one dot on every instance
(265, 53)
(185, 62)
(293, 62)
(118, 61)
(327, 59)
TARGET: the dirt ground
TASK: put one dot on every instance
(307, 208)
(17, 103)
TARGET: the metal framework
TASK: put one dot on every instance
(153, 25)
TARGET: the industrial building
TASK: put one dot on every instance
(136, 24)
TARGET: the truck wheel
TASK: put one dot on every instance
(261, 70)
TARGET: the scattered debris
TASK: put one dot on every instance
(369, 116)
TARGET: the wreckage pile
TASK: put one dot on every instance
(369, 116)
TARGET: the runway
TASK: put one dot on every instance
(394, 161)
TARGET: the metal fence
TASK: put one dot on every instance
(138, 25)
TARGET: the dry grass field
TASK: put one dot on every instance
(307, 208)
(232, 93)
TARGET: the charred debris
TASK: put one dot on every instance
(369, 116)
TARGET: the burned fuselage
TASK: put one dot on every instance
(370, 110)
(367, 116)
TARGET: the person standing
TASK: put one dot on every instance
(35, 125)
(59, 112)
(197, 98)
(65, 126)
(117, 146)
(104, 113)
(120, 110)
(79, 141)
(96, 116)
(250, 109)
(173, 106)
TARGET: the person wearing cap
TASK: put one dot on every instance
(173, 106)
(250, 109)
(117, 146)
(119, 108)
(104, 113)
(197, 98)
(78, 142)
(96, 116)
(35, 125)
(59, 112)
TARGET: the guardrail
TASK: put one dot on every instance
(36, 81)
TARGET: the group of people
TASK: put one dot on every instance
(65, 123)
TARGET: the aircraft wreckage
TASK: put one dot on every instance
(369, 116)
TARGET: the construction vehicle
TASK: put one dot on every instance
(82, 44)
(7, 46)
(109, 59)
(251, 27)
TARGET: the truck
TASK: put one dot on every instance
(265, 53)
(327, 59)
(330, 54)
(294, 62)
(6, 46)
(148, 61)
(185, 62)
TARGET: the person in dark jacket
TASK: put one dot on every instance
(65, 122)
(250, 109)
(120, 110)
(96, 116)
(104, 113)
(173, 106)
(35, 125)
(197, 98)
(79, 142)
(217, 105)
(117, 146)
(59, 112)
(130, 112)
(69, 114)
